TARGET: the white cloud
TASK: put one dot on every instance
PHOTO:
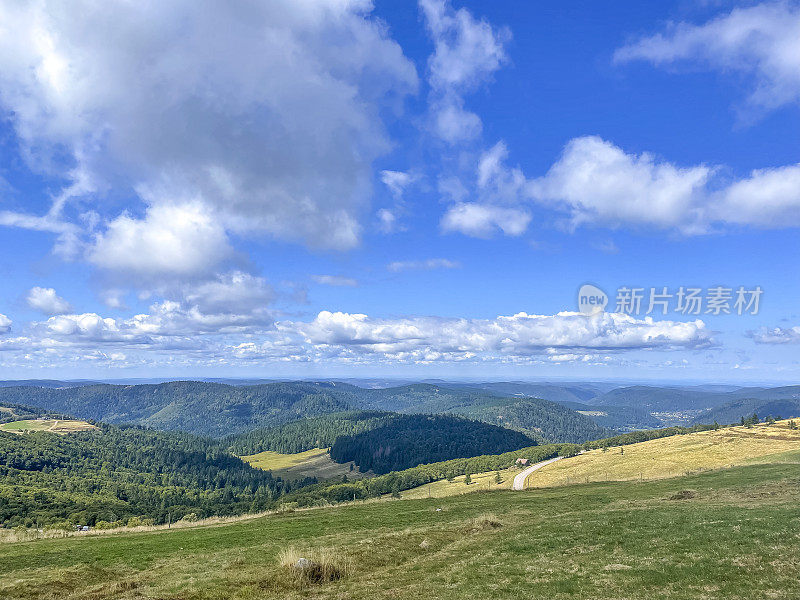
(5, 324)
(776, 335)
(422, 265)
(767, 198)
(177, 240)
(397, 182)
(47, 301)
(484, 220)
(518, 335)
(761, 40)
(234, 292)
(335, 280)
(243, 108)
(466, 53)
(387, 220)
(598, 183)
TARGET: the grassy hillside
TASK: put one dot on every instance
(734, 536)
(672, 456)
(61, 426)
(315, 463)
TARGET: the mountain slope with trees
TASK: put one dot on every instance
(409, 440)
(115, 473)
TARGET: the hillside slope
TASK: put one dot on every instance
(405, 441)
(217, 409)
(535, 417)
(734, 411)
(602, 540)
(674, 455)
(197, 407)
(114, 473)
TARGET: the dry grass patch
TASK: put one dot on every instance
(672, 456)
(313, 566)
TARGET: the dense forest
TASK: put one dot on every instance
(116, 473)
(408, 440)
(220, 410)
(20, 412)
(201, 408)
(298, 436)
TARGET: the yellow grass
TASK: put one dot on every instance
(51, 425)
(480, 481)
(311, 463)
(677, 455)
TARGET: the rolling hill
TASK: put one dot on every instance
(115, 473)
(218, 410)
(405, 441)
(734, 411)
(684, 538)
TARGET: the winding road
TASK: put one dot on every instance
(519, 480)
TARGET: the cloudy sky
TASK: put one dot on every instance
(316, 188)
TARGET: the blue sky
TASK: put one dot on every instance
(339, 188)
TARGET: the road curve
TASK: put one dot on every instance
(519, 480)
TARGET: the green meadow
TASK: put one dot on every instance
(732, 533)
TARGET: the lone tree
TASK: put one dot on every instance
(497, 478)
(467, 479)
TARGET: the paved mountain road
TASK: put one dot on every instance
(519, 480)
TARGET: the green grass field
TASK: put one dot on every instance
(729, 534)
(312, 463)
(51, 425)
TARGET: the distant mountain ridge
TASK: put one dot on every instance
(217, 410)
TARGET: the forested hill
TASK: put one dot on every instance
(115, 473)
(305, 434)
(540, 419)
(405, 441)
(218, 410)
(734, 411)
(198, 407)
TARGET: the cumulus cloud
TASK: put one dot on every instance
(5, 324)
(594, 182)
(47, 301)
(240, 107)
(422, 265)
(182, 334)
(762, 41)
(776, 335)
(518, 335)
(597, 182)
(467, 52)
(335, 280)
(177, 240)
